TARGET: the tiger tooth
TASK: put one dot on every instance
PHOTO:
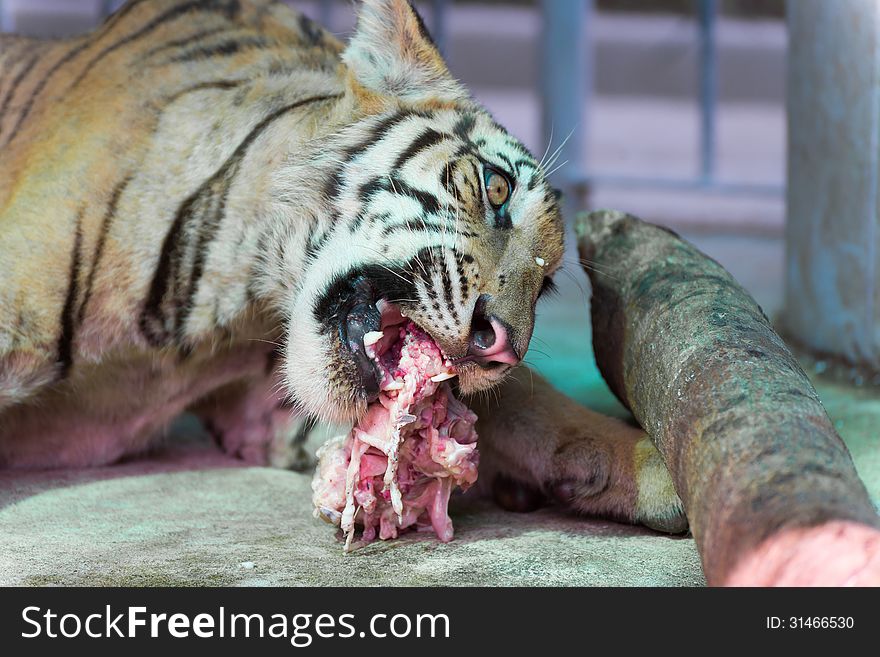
(372, 337)
(442, 376)
(394, 385)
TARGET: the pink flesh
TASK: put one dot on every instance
(398, 466)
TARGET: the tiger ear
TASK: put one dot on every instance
(392, 54)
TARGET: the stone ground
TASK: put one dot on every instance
(188, 515)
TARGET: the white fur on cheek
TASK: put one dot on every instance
(306, 357)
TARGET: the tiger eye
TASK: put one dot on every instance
(497, 189)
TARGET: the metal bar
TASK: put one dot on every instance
(708, 71)
(566, 85)
(706, 184)
(2, 16)
(832, 234)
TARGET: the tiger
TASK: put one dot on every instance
(204, 202)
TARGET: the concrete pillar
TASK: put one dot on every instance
(832, 298)
(566, 85)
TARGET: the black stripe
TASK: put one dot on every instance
(65, 339)
(334, 182)
(207, 231)
(427, 277)
(377, 133)
(206, 205)
(10, 93)
(222, 49)
(504, 222)
(187, 40)
(120, 13)
(229, 8)
(523, 162)
(475, 184)
(14, 52)
(379, 218)
(109, 216)
(381, 130)
(447, 289)
(427, 200)
(464, 126)
(38, 88)
(369, 189)
(313, 33)
(513, 143)
(226, 176)
(424, 141)
(316, 244)
(201, 86)
(447, 179)
(415, 226)
(422, 265)
(398, 187)
(156, 324)
(462, 277)
(466, 148)
(153, 323)
(511, 170)
(423, 225)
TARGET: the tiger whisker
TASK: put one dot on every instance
(591, 265)
(573, 278)
(556, 168)
(558, 151)
(547, 150)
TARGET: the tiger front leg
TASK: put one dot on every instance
(537, 444)
(251, 420)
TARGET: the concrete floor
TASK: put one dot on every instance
(188, 515)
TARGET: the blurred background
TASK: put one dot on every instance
(667, 104)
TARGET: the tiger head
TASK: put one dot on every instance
(433, 211)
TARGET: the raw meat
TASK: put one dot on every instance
(398, 466)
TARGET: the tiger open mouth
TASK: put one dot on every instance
(369, 331)
(397, 467)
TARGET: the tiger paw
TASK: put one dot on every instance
(658, 505)
(592, 479)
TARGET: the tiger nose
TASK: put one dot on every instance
(490, 343)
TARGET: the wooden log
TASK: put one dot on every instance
(768, 485)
